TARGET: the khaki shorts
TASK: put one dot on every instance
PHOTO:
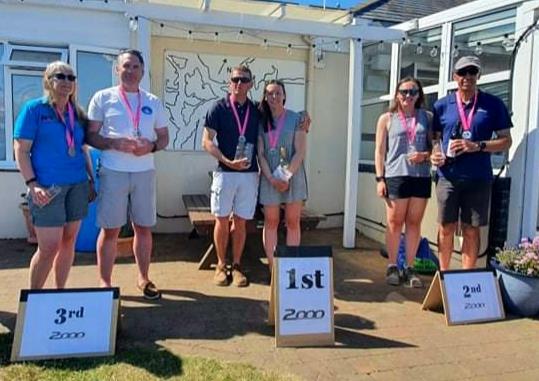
(234, 192)
(126, 193)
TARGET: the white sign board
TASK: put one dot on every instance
(66, 323)
(303, 288)
(468, 296)
(193, 82)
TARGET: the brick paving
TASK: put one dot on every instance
(381, 332)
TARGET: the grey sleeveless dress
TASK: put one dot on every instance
(297, 190)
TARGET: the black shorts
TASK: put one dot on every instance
(467, 199)
(407, 186)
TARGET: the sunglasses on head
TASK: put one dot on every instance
(63, 77)
(472, 70)
(410, 92)
(240, 80)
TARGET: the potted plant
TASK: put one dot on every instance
(517, 270)
(124, 246)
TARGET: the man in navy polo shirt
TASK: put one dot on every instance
(471, 125)
(233, 122)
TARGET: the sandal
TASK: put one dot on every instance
(149, 291)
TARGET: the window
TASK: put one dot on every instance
(369, 118)
(95, 71)
(376, 69)
(420, 56)
(490, 37)
(500, 89)
(2, 108)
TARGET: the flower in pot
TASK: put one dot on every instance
(124, 246)
(517, 270)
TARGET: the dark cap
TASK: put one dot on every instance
(467, 61)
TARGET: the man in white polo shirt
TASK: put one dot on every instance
(128, 124)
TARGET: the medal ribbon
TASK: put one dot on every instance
(466, 122)
(241, 128)
(273, 135)
(410, 129)
(69, 127)
(135, 117)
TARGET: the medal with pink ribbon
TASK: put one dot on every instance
(274, 134)
(133, 116)
(409, 128)
(69, 128)
(466, 121)
(242, 127)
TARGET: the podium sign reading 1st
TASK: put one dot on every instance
(66, 323)
(303, 289)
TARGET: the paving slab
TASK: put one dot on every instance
(381, 331)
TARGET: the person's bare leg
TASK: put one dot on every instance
(238, 234)
(412, 229)
(66, 253)
(269, 234)
(221, 232)
(446, 232)
(293, 223)
(106, 254)
(48, 244)
(142, 248)
(470, 246)
(396, 214)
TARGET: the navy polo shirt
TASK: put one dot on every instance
(490, 115)
(220, 118)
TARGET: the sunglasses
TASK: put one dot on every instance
(471, 70)
(409, 92)
(63, 77)
(240, 80)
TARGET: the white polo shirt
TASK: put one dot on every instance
(107, 107)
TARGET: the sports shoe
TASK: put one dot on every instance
(220, 278)
(150, 292)
(411, 279)
(238, 278)
(392, 275)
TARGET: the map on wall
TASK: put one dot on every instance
(192, 82)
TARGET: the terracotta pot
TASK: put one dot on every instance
(124, 247)
(31, 233)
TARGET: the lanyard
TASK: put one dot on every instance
(466, 122)
(135, 117)
(410, 129)
(273, 135)
(241, 128)
(69, 127)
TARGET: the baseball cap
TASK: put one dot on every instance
(467, 61)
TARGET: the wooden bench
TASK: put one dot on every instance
(198, 210)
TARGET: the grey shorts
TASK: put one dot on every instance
(467, 199)
(234, 192)
(121, 193)
(71, 204)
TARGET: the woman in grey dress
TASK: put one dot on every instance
(281, 150)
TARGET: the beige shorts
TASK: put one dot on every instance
(121, 193)
(234, 192)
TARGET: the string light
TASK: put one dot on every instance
(216, 37)
(239, 36)
(265, 44)
(190, 36)
(133, 24)
(337, 45)
(419, 49)
(434, 51)
(478, 48)
(289, 49)
(456, 51)
(508, 43)
(380, 47)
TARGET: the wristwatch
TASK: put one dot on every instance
(379, 178)
(482, 145)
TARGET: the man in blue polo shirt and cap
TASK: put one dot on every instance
(471, 124)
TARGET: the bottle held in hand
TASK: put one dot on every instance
(52, 191)
(456, 134)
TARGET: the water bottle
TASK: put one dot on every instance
(456, 134)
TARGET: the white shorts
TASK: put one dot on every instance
(121, 193)
(234, 192)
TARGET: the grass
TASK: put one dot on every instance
(131, 363)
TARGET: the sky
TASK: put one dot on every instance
(329, 3)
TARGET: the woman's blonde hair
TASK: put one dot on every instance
(57, 67)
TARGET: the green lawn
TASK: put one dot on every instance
(130, 363)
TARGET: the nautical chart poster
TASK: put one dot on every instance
(194, 81)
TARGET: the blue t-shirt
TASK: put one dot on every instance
(490, 115)
(49, 155)
(220, 118)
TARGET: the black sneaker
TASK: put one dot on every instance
(150, 292)
(392, 276)
(411, 279)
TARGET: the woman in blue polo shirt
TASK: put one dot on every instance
(52, 158)
(403, 174)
